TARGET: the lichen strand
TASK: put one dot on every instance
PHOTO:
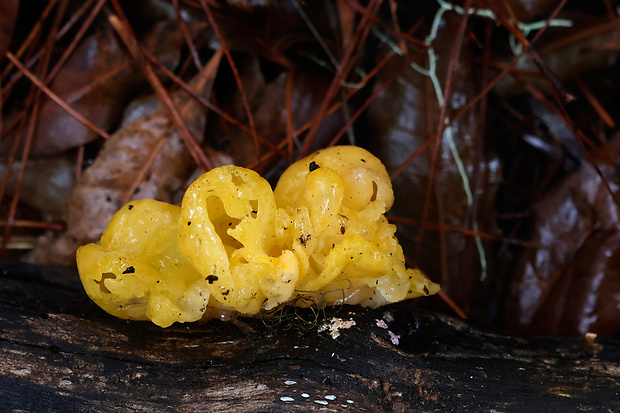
(236, 244)
(138, 272)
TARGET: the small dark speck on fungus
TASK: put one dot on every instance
(211, 279)
(304, 239)
(129, 270)
(313, 166)
(130, 207)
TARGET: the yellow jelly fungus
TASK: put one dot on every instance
(234, 244)
(138, 272)
(227, 232)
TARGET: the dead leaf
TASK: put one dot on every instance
(104, 186)
(401, 120)
(268, 103)
(97, 81)
(8, 19)
(568, 52)
(568, 285)
(46, 186)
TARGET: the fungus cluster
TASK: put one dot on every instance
(235, 244)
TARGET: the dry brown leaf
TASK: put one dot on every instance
(104, 186)
(97, 81)
(8, 19)
(46, 186)
(568, 285)
(568, 52)
(268, 102)
(402, 119)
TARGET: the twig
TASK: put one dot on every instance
(144, 169)
(374, 19)
(341, 73)
(233, 66)
(188, 40)
(210, 105)
(433, 226)
(370, 75)
(24, 223)
(32, 35)
(596, 104)
(31, 126)
(444, 297)
(371, 98)
(443, 251)
(290, 129)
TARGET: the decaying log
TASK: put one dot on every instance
(59, 352)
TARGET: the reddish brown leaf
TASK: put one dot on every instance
(46, 186)
(568, 52)
(402, 120)
(103, 187)
(569, 284)
(8, 18)
(97, 81)
(268, 102)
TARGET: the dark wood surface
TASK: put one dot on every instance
(59, 352)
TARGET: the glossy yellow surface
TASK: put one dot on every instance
(138, 272)
(235, 243)
(336, 199)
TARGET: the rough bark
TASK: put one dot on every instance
(59, 352)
